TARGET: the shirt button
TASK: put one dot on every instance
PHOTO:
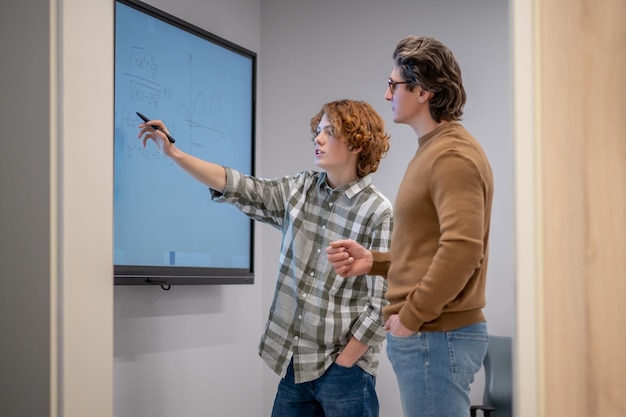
(319, 250)
(299, 316)
(303, 295)
(296, 338)
(312, 273)
(330, 204)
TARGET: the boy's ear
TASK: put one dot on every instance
(356, 150)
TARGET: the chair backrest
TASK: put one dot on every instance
(499, 376)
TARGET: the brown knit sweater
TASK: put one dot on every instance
(437, 266)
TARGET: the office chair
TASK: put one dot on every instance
(498, 393)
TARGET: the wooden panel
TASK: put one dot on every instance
(604, 71)
(581, 53)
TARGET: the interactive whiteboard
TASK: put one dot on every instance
(166, 228)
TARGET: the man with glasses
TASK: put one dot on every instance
(436, 270)
(324, 333)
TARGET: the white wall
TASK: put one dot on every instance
(192, 351)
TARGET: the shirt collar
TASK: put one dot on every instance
(350, 190)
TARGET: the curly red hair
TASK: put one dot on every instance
(360, 126)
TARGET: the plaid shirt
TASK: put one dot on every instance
(315, 312)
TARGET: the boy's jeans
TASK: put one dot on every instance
(340, 392)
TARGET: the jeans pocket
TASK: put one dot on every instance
(409, 337)
(467, 348)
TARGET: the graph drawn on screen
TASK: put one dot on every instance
(197, 91)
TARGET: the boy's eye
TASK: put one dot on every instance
(328, 131)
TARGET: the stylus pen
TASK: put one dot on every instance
(145, 119)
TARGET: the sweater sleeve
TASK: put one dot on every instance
(382, 261)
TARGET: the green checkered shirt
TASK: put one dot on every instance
(315, 312)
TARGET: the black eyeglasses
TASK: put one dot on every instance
(392, 84)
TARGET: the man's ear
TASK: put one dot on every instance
(424, 95)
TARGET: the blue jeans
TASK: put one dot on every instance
(340, 392)
(435, 369)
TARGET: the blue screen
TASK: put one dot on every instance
(204, 93)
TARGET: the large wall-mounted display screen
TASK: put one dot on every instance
(166, 228)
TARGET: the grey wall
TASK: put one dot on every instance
(56, 305)
(25, 212)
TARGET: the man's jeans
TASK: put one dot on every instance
(340, 392)
(435, 369)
